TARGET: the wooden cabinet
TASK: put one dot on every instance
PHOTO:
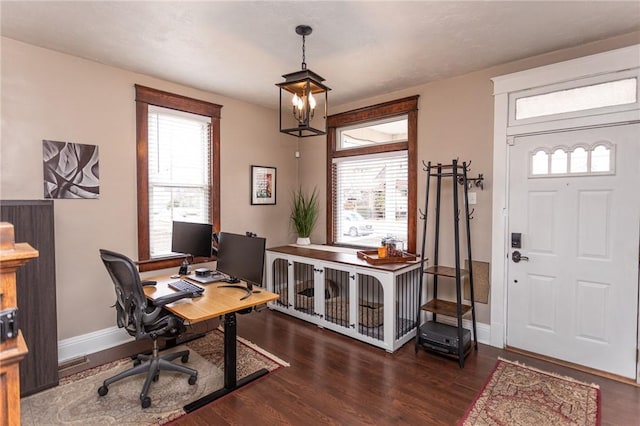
(338, 291)
(36, 292)
(12, 350)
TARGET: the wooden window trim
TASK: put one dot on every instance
(406, 106)
(146, 96)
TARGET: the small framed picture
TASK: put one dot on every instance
(263, 185)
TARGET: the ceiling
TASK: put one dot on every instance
(240, 49)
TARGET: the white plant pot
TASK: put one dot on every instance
(303, 241)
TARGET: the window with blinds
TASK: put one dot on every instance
(179, 161)
(371, 198)
(370, 190)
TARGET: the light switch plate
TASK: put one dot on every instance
(472, 197)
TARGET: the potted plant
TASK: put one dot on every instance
(304, 214)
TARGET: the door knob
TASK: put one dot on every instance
(517, 257)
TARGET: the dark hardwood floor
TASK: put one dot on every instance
(336, 380)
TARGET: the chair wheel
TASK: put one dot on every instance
(184, 358)
(192, 380)
(156, 377)
(145, 402)
(103, 390)
(136, 362)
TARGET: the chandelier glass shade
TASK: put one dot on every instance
(303, 99)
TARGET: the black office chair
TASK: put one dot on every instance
(144, 319)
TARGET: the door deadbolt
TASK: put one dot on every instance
(517, 257)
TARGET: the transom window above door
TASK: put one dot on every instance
(608, 93)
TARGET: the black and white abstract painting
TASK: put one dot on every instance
(70, 170)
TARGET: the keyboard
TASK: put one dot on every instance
(183, 285)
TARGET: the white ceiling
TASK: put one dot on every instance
(240, 49)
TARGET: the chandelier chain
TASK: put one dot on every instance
(304, 63)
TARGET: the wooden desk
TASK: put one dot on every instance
(216, 301)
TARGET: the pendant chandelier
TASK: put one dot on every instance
(303, 98)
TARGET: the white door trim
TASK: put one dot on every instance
(608, 62)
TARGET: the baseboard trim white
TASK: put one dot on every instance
(79, 346)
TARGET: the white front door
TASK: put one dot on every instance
(573, 295)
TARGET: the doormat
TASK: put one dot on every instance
(515, 394)
(75, 400)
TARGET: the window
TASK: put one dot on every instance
(178, 141)
(580, 160)
(601, 95)
(371, 177)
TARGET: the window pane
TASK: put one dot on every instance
(179, 173)
(601, 159)
(559, 161)
(579, 160)
(578, 99)
(371, 198)
(168, 204)
(379, 132)
(540, 163)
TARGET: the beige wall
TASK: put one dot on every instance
(455, 120)
(48, 95)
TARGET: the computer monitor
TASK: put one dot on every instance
(241, 257)
(192, 238)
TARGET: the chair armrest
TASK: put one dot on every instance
(149, 282)
(170, 298)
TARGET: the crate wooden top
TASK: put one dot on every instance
(329, 254)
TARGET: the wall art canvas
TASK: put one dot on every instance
(70, 170)
(263, 185)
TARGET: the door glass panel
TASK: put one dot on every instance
(579, 160)
(540, 163)
(559, 161)
(600, 159)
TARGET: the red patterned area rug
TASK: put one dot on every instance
(515, 394)
(75, 402)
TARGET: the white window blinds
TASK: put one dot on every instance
(179, 173)
(370, 198)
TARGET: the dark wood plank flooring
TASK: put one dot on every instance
(335, 380)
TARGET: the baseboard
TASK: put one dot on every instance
(79, 346)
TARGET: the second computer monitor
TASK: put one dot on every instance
(192, 238)
(241, 257)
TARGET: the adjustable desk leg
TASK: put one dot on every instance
(230, 347)
(230, 357)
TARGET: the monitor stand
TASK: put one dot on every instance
(248, 288)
